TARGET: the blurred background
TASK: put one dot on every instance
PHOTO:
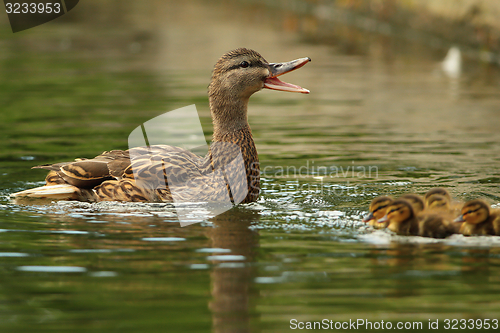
(409, 88)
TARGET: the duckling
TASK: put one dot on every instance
(439, 191)
(117, 176)
(440, 207)
(378, 208)
(415, 200)
(435, 225)
(401, 218)
(478, 219)
(438, 201)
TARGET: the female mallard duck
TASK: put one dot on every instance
(139, 173)
(478, 219)
(378, 209)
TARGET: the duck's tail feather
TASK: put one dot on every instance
(55, 192)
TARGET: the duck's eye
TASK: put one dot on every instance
(379, 208)
(470, 211)
(244, 64)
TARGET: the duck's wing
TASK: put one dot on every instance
(164, 165)
(153, 174)
(87, 173)
(137, 174)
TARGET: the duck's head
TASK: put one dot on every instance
(437, 190)
(378, 208)
(398, 212)
(438, 202)
(474, 212)
(415, 200)
(242, 72)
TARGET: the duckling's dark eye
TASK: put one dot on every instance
(244, 64)
(379, 208)
(471, 211)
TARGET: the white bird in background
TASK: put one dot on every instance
(452, 63)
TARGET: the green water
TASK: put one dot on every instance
(79, 86)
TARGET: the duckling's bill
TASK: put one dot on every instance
(368, 217)
(277, 69)
(383, 219)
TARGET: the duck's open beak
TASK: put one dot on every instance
(277, 69)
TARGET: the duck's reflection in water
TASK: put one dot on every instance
(232, 294)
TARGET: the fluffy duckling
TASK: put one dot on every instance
(438, 201)
(435, 226)
(437, 198)
(415, 200)
(437, 190)
(401, 218)
(378, 209)
(478, 219)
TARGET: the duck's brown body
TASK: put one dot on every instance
(166, 173)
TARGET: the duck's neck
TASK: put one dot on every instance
(228, 115)
(231, 125)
